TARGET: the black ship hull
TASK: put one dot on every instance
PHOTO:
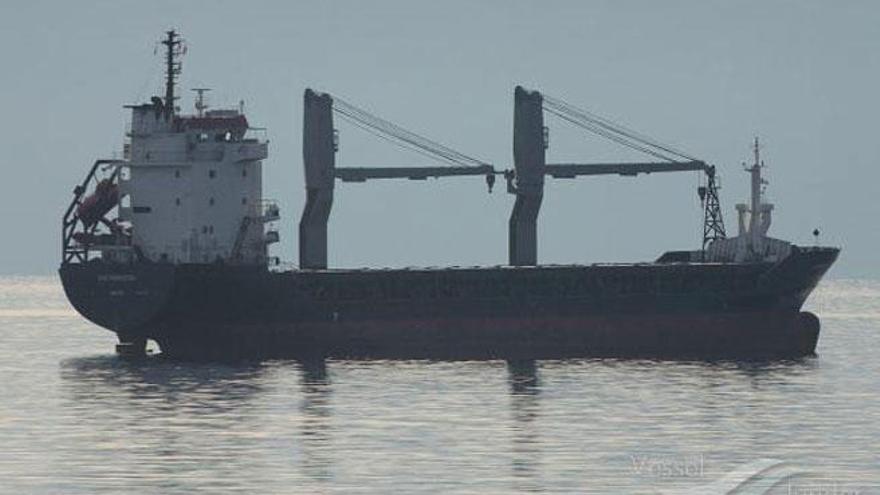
(699, 310)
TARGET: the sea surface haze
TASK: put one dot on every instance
(74, 418)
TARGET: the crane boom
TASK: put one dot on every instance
(572, 170)
(362, 174)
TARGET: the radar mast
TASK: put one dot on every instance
(200, 104)
(174, 48)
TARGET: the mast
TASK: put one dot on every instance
(757, 182)
(174, 48)
(200, 105)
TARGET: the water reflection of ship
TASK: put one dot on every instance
(315, 414)
(525, 410)
(221, 388)
(161, 418)
(764, 385)
(166, 405)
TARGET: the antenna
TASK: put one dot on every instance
(200, 105)
(757, 150)
(174, 48)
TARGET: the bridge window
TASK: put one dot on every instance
(212, 173)
(177, 201)
(211, 201)
(177, 174)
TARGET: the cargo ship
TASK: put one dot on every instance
(171, 243)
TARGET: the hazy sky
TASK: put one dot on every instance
(704, 75)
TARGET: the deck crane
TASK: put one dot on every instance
(530, 141)
(525, 180)
(320, 142)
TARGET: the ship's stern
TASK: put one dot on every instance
(123, 298)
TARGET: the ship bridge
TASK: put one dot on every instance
(223, 125)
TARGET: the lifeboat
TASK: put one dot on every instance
(99, 203)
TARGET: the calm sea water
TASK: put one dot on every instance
(75, 419)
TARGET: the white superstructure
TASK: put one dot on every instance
(752, 242)
(191, 187)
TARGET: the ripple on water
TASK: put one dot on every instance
(73, 421)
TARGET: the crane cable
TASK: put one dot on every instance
(612, 130)
(611, 136)
(401, 137)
